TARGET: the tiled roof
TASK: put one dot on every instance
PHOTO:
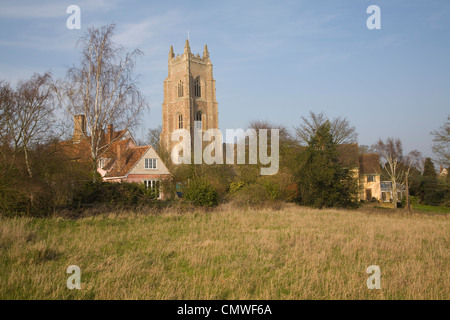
(76, 151)
(82, 150)
(369, 163)
(121, 166)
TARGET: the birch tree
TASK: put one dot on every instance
(396, 165)
(102, 88)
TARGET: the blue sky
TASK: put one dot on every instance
(273, 60)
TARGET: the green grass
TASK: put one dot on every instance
(292, 253)
(433, 209)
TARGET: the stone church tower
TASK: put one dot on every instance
(189, 95)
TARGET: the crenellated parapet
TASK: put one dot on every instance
(188, 55)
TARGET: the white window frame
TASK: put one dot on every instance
(153, 184)
(151, 164)
(101, 163)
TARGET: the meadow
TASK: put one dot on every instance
(287, 252)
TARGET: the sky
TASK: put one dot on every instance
(273, 60)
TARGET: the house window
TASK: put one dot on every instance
(101, 163)
(198, 120)
(371, 178)
(180, 89)
(197, 88)
(150, 163)
(154, 186)
(180, 121)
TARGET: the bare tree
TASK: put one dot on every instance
(396, 166)
(284, 134)
(153, 137)
(27, 115)
(6, 110)
(102, 88)
(441, 147)
(341, 129)
(363, 149)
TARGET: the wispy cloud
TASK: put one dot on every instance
(158, 26)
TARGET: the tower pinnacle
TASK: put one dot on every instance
(206, 52)
(187, 48)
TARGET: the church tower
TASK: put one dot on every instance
(189, 95)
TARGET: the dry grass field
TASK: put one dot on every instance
(287, 253)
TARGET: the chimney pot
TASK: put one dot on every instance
(110, 132)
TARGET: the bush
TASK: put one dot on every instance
(251, 194)
(235, 187)
(433, 198)
(275, 188)
(201, 193)
(13, 202)
(121, 194)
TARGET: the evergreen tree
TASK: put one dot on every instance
(322, 181)
(429, 191)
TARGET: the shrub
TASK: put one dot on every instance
(12, 202)
(122, 194)
(275, 188)
(235, 187)
(251, 194)
(201, 193)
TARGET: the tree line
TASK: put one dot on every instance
(37, 175)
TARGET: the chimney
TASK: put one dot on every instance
(120, 161)
(110, 133)
(79, 131)
(440, 169)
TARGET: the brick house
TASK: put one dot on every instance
(123, 160)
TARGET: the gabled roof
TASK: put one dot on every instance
(369, 163)
(112, 151)
(121, 166)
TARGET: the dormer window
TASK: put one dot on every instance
(197, 88)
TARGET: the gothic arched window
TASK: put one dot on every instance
(198, 120)
(180, 121)
(197, 88)
(180, 89)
